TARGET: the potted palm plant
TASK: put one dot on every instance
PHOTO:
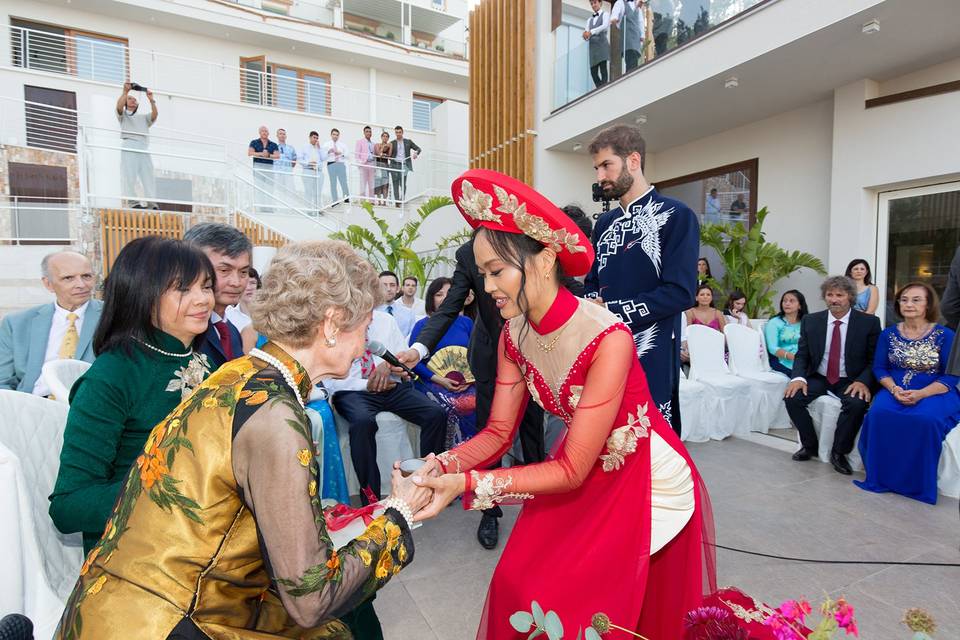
(752, 264)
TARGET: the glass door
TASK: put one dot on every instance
(918, 234)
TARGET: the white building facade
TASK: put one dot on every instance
(218, 70)
(840, 117)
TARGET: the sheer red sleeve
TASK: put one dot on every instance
(509, 402)
(593, 420)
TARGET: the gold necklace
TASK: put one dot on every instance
(548, 347)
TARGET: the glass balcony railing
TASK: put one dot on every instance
(666, 25)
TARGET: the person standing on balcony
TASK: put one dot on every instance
(366, 161)
(312, 159)
(337, 166)
(383, 151)
(646, 251)
(286, 162)
(595, 33)
(264, 151)
(405, 151)
(628, 17)
(135, 162)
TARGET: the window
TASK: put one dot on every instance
(423, 107)
(726, 194)
(69, 51)
(38, 195)
(276, 85)
(51, 118)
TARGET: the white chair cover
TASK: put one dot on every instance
(397, 439)
(696, 411)
(759, 325)
(60, 376)
(948, 472)
(39, 564)
(731, 398)
(824, 411)
(745, 362)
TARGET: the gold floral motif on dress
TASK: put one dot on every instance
(448, 458)
(748, 615)
(477, 204)
(489, 491)
(623, 440)
(916, 356)
(575, 391)
(535, 226)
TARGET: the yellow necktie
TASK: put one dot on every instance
(68, 348)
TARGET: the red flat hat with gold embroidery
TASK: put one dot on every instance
(501, 203)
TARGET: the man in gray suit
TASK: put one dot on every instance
(58, 330)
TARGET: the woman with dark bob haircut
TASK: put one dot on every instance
(903, 431)
(157, 299)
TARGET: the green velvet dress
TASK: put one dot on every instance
(113, 407)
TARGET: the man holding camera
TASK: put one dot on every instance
(645, 269)
(135, 162)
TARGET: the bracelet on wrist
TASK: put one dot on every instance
(401, 506)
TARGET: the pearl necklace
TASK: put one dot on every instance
(282, 368)
(166, 353)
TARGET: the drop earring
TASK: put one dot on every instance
(331, 342)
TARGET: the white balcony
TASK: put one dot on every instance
(734, 74)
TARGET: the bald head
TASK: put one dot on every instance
(69, 276)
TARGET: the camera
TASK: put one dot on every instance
(136, 87)
(598, 193)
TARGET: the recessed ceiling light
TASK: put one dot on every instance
(641, 119)
(577, 146)
(731, 83)
(871, 26)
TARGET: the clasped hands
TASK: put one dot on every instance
(429, 490)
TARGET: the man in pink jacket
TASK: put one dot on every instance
(363, 152)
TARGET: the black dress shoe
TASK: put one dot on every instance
(489, 531)
(840, 464)
(802, 455)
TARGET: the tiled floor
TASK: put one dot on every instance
(762, 501)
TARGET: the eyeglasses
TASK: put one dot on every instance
(914, 300)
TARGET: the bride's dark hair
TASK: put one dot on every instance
(515, 249)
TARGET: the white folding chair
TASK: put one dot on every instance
(760, 324)
(948, 471)
(695, 412)
(60, 376)
(745, 362)
(733, 398)
(39, 564)
(824, 412)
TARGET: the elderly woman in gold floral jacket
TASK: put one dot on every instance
(218, 531)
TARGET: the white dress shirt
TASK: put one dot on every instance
(310, 154)
(403, 315)
(237, 317)
(604, 24)
(58, 329)
(330, 147)
(418, 308)
(383, 328)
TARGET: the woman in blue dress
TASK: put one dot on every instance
(904, 429)
(445, 376)
(868, 296)
(782, 331)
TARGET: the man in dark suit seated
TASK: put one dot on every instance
(482, 356)
(835, 354)
(230, 252)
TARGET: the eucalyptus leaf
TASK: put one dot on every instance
(553, 625)
(521, 621)
(536, 632)
(591, 634)
(537, 611)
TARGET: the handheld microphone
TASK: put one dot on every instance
(377, 349)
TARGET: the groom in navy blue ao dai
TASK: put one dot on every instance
(645, 269)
